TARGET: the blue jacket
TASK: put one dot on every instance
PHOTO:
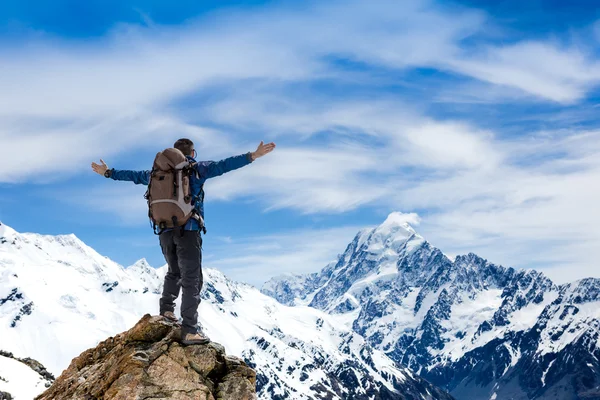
(205, 169)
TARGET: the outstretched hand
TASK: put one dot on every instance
(100, 168)
(263, 149)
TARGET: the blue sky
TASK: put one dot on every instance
(476, 119)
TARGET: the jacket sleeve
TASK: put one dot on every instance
(137, 177)
(210, 169)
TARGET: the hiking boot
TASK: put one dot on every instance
(194, 338)
(170, 315)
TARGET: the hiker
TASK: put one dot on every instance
(182, 246)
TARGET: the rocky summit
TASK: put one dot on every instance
(149, 361)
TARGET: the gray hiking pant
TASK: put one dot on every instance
(183, 254)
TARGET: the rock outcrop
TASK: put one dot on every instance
(149, 362)
(5, 396)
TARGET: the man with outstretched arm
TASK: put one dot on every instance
(183, 249)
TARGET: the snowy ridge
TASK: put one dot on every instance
(472, 327)
(142, 272)
(20, 380)
(59, 297)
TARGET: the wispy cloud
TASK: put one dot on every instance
(478, 191)
(254, 74)
(560, 73)
(66, 147)
(73, 89)
(540, 213)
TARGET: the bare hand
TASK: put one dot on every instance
(100, 169)
(262, 150)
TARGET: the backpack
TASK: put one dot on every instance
(169, 196)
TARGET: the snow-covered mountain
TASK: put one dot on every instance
(22, 378)
(59, 297)
(479, 330)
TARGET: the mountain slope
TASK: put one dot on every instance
(59, 297)
(22, 379)
(472, 327)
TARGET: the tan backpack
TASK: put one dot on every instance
(169, 196)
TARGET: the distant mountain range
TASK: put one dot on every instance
(479, 330)
(59, 297)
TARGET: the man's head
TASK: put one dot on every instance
(186, 146)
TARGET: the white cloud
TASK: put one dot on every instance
(307, 179)
(563, 75)
(144, 66)
(541, 214)
(452, 145)
(56, 147)
(63, 104)
(505, 199)
(104, 94)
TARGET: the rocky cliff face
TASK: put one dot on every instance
(149, 362)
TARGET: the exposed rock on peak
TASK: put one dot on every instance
(148, 361)
(35, 365)
(22, 378)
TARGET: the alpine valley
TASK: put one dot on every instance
(59, 297)
(478, 330)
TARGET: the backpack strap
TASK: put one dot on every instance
(158, 229)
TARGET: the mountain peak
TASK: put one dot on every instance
(141, 264)
(143, 272)
(401, 219)
(396, 228)
(6, 231)
(399, 222)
